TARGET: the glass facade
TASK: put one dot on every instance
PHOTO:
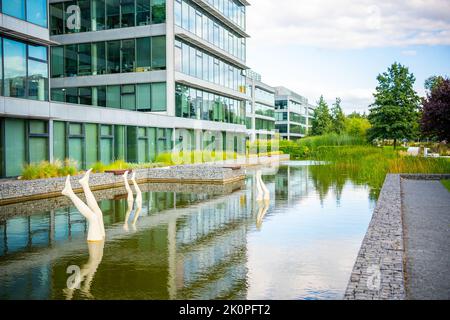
(203, 105)
(33, 11)
(231, 9)
(193, 19)
(96, 15)
(261, 124)
(264, 96)
(106, 57)
(144, 97)
(200, 64)
(264, 110)
(25, 70)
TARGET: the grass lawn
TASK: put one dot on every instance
(446, 184)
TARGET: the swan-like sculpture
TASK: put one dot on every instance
(96, 229)
(262, 198)
(130, 200)
(88, 271)
(138, 200)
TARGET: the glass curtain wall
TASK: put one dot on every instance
(117, 56)
(193, 19)
(33, 11)
(105, 14)
(144, 97)
(200, 64)
(231, 9)
(25, 70)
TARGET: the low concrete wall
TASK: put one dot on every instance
(378, 273)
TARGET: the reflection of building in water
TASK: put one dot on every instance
(292, 183)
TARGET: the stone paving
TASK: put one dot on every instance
(426, 219)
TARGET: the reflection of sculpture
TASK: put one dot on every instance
(138, 198)
(88, 270)
(95, 229)
(91, 202)
(130, 200)
(262, 198)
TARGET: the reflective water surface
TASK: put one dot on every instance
(301, 244)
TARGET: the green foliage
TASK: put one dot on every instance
(322, 122)
(45, 169)
(395, 112)
(337, 117)
(357, 126)
(433, 82)
(446, 184)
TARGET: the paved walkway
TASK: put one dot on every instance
(426, 220)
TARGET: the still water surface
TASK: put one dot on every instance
(301, 245)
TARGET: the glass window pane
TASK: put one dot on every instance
(99, 96)
(159, 53)
(113, 60)
(85, 9)
(98, 15)
(128, 97)
(143, 53)
(71, 60)
(58, 95)
(127, 10)
(57, 62)
(143, 97)
(85, 95)
(14, 68)
(98, 58)
(128, 57)
(113, 14)
(143, 12)
(113, 97)
(72, 95)
(158, 11)
(84, 59)
(15, 8)
(57, 20)
(37, 80)
(158, 96)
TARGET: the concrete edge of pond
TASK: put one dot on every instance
(14, 191)
(379, 271)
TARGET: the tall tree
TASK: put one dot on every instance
(395, 112)
(436, 111)
(433, 82)
(338, 117)
(321, 121)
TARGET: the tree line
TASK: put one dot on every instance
(397, 114)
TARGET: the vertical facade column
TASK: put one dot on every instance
(253, 118)
(50, 140)
(170, 57)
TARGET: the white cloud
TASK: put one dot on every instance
(351, 23)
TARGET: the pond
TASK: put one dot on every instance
(199, 242)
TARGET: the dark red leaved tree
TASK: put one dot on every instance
(436, 112)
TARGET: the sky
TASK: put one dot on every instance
(336, 48)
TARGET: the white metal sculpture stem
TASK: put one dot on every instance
(138, 200)
(94, 229)
(91, 202)
(130, 200)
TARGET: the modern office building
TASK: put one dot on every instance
(293, 114)
(260, 108)
(125, 77)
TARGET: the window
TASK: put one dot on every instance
(99, 96)
(84, 59)
(85, 17)
(98, 58)
(128, 97)
(128, 57)
(113, 60)
(158, 11)
(70, 60)
(127, 13)
(15, 68)
(143, 12)
(159, 53)
(56, 19)
(98, 15)
(178, 20)
(143, 102)
(158, 97)
(143, 54)
(113, 96)
(15, 8)
(72, 95)
(57, 62)
(37, 73)
(85, 95)
(113, 14)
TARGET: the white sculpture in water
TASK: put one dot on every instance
(130, 200)
(96, 229)
(91, 202)
(138, 200)
(262, 198)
